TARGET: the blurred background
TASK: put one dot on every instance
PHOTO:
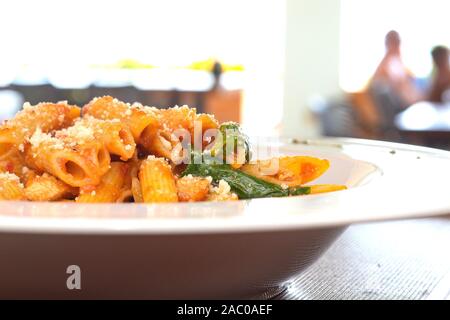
(305, 68)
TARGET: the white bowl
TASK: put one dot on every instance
(237, 249)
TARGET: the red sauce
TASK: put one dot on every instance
(10, 167)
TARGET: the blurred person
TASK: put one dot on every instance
(392, 73)
(216, 71)
(441, 74)
(391, 89)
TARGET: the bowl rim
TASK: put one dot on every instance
(320, 211)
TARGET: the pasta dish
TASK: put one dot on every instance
(111, 151)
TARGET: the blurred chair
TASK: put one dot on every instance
(193, 99)
(35, 93)
(336, 116)
(224, 104)
(78, 96)
(366, 114)
(388, 104)
(126, 93)
(157, 98)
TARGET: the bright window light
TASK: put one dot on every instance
(161, 32)
(60, 40)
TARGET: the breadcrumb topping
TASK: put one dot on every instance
(10, 177)
(79, 131)
(39, 138)
(223, 188)
(27, 106)
(161, 159)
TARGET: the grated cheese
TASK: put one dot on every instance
(161, 159)
(11, 177)
(146, 109)
(39, 137)
(223, 188)
(27, 106)
(80, 131)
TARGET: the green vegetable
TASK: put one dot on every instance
(231, 142)
(297, 191)
(244, 185)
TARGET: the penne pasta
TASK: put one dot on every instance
(157, 181)
(121, 152)
(136, 190)
(125, 196)
(138, 118)
(206, 122)
(47, 188)
(289, 171)
(131, 187)
(116, 136)
(323, 188)
(110, 187)
(10, 187)
(45, 116)
(76, 164)
(9, 142)
(13, 164)
(193, 188)
(175, 125)
(158, 142)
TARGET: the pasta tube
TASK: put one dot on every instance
(157, 181)
(323, 188)
(45, 116)
(135, 116)
(193, 188)
(47, 188)
(289, 171)
(116, 136)
(10, 187)
(76, 164)
(110, 187)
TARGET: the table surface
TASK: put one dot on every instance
(391, 260)
(424, 116)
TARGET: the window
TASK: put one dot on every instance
(364, 23)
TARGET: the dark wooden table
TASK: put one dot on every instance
(391, 260)
(425, 123)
